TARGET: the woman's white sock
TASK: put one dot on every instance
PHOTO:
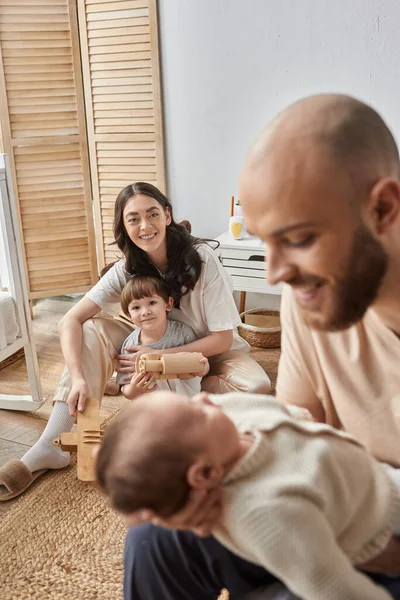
(44, 454)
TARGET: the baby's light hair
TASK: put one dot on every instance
(137, 468)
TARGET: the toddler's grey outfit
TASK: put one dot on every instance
(177, 334)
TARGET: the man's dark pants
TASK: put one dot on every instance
(161, 564)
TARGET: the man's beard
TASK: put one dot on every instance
(354, 293)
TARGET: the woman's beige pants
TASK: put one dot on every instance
(101, 343)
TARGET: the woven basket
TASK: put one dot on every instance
(12, 359)
(261, 337)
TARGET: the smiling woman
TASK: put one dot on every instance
(152, 244)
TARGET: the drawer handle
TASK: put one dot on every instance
(256, 257)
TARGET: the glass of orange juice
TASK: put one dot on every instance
(236, 227)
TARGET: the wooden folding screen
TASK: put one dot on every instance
(121, 74)
(44, 133)
(47, 125)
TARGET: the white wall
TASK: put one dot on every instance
(229, 66)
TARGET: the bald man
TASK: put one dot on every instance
(321, 187)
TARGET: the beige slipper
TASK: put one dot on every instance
(15, 478)
(112, 388)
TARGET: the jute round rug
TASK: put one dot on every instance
(60, 541)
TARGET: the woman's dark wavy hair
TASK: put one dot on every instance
(184, 263)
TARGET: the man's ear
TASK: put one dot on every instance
(383, 206)
(201, 476)
(170, 304)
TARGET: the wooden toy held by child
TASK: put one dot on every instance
(182, 365)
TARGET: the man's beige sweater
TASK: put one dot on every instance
(306, 502)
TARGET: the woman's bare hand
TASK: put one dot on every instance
(77, 396)
(200, 514)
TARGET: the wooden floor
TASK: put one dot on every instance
(19, 430)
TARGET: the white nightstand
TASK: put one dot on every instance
(245, 261)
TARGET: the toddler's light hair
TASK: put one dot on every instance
(142, 286)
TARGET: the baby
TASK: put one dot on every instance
(146, 301)
(301, 499)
